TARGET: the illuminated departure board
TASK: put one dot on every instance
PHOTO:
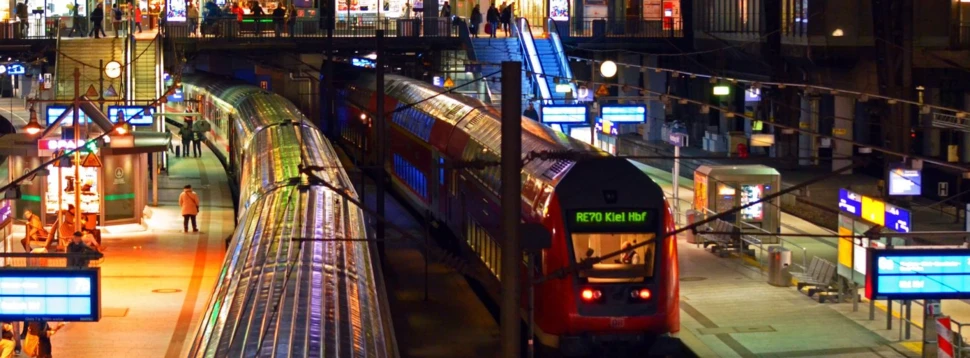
(612, 220)
(50, 294)
(918, 274)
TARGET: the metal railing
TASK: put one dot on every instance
(228, 29)
(610, 28)
(782, 241)
(10, 30)
(53, 259)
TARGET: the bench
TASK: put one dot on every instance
(718, 238)
(819, 278)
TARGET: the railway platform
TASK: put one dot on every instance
(156, 279)
(453, 321)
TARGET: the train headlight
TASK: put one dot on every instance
(642, 294)
(591, 294)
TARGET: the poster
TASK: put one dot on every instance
(750, 194)
(176, 10)
(559, 10)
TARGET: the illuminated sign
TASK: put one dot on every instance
(850, 202)
(752, 95)
(612, 220)
(363, 62)
(135, 115)
(874, 211)
(50, 294)
(938, 273)
(564, 114)
(904, 182)
(607, 127)
(5, 213)
(898, 219)
(53, 145)
(722, 90)
(624, 114)
(176, 11)
(438, 81)
(177, 96)
(16, 69)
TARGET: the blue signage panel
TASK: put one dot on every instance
(142, 115)
(16, 69)
(564, 114)
(624, 113)
(363, 62)
(898, 219)
(176, 97)
(905, 182)
(54, 111)
(50, 294)
(918, 274)
(850, 202)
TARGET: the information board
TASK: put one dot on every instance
(850, 202)
(875, 211)
(142, 115)
(636, 113)
(51, 294)
(624, 220)
(564, 114)
(54, 111)
(939, 273)
(905, 182)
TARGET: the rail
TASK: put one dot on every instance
(51, 259)
(228, 29)
(531, 55)
(633, 28)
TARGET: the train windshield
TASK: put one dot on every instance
(598, 234)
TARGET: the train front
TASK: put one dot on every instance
(626, 301)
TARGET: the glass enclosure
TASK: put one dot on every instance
(634, 265)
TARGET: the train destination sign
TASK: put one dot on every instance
(612, 220)
(938, 273)
(50, 294)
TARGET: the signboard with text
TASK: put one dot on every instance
(636, 113)
(61, 294)
(905, 182)
(938, 273)
(600, 220)
(564, 114)
(135, 115)
(875, 211)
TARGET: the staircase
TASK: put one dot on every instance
(146, 70)
(549, 58)
(86, 55)
(491, 53)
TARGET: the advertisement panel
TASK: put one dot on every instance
(176, 11)
(119, 186)
(135, 115)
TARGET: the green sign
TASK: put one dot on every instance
(642, 220)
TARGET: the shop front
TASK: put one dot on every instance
(367, 12)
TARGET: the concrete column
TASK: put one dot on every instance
(931, 136)
(656, 82)
(842, 128)
(805, 140)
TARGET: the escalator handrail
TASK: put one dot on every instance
(565, 70)
(532, 58)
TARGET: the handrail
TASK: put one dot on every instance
(567, 72)
(782, 240)
(532, 57)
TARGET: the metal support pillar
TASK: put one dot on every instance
(889, 314)
(675, 180)
(511, 206)
(382, 141)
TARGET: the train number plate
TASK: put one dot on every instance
(617, 322)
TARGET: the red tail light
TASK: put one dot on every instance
(590, 294)
(645, 294)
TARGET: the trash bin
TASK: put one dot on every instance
(692, 216)
(779, 259)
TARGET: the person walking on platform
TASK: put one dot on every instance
(197, 143)
(116, 22)
(189, 202)
(97, 22)
(186, 133)
(76, 21)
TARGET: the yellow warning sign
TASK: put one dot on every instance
(449, 83)
(91, 93)
(91, 161)
(110, 92)
(602, 91)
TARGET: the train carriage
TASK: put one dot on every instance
(591, 208)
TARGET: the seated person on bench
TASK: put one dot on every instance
(35, 231)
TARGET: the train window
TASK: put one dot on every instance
(441, 171)
(638, 262)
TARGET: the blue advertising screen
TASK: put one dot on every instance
(564, 114)
(918, 274)
(905, 182)
(145, 114)
(54, 111)
(850, 202)
(898, 219)
(625, 114)
(50, 294)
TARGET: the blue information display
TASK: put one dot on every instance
(176, 97)
(16, 69)
(564, 114)
(918, 274)
(897, 219)
(54, 111)
(142, 115)
(905, 182)
(624, 113)
(50, 294)
(850, 202)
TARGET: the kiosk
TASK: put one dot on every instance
(721, 188)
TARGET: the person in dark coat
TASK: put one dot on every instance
(475, 20)
(279, 16)
(97, 22)
(507, 19)
(531, 113)
(492, 16)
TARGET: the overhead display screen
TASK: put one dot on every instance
(54, 111)
(897, 219)
(50, 294)
(624, 114)
(905, 182)
(142, 115)
(918, 274)
(564, 114)
(612, 220)
(850, 202)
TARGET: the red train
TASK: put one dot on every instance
(590, 207)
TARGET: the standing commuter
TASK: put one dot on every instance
(507, 13)
(7, 344)
(138, 18)
(116, 19)
(197, 143)
(189, 203)
(279, 15)
(492, 16)
(186, 133)
(97, 22)
(476, 20)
